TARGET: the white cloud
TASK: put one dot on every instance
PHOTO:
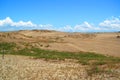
(8, 22)
(24, 24)
(113, 23)
(65, 28)
(84, 27)
(45, 26)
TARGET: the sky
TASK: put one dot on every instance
(60, 15)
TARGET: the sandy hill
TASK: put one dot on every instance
(102, 43)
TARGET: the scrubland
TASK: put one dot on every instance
(52, 55)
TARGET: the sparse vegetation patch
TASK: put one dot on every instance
(82, 57)
(94, 64)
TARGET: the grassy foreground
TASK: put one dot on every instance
(93, 60)
(85, 58)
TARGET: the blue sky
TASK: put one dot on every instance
(62, 15)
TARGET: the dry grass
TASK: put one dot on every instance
(24, 68)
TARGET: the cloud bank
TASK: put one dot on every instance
(108, 25)
(8, 24)
(84, 27)
(113, 23)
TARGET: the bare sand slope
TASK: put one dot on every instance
(104, 43)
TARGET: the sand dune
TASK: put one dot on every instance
(102, 43)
